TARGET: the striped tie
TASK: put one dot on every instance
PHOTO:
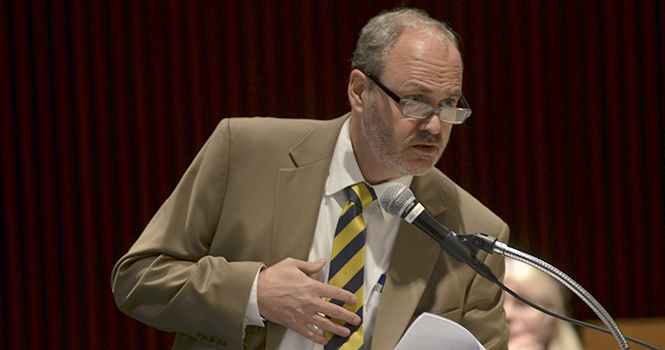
(347, 263)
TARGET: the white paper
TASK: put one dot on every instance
(430, 331)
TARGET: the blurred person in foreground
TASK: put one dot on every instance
(531, 329)
(239, 256)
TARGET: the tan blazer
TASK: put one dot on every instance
(252, 196)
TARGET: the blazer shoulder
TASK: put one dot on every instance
(262, 127)
(293, 141)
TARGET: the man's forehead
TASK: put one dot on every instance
(419, 87)
(420, 69)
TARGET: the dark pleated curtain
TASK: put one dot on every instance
(105, 103)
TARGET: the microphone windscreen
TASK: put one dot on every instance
(395, 197)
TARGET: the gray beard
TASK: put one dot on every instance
(380, 140)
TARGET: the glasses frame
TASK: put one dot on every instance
(401, 101)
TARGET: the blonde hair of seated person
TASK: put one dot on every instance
(531, 329)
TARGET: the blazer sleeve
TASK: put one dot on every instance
(168, 279)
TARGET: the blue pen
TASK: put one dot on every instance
(375, 294)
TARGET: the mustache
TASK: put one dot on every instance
(423, 136)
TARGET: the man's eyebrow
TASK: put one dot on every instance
(418, 87)
(455, 92)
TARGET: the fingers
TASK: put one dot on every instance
(312, 267)
(313, 336)
(339, 313)
(333, 292)
(287, 295)
(329, 325)
(322, 323)
(325, 324)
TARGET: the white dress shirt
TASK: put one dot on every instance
(381, 232)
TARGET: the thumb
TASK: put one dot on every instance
(311, 267)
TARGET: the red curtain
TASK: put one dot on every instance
(103, 104)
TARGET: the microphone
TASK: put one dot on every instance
(398, 200)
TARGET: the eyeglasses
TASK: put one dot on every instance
(422, 110)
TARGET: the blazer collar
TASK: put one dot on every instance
(318, 144)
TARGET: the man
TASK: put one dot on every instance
(239, 255)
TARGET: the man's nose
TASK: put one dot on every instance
(432, 124)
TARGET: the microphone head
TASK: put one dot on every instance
(395, 198)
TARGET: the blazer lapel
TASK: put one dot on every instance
(413, 259)
(299, 192)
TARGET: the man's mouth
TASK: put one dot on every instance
(424, 148)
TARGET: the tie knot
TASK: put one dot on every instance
(361, 194)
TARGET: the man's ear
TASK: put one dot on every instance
(357, 85)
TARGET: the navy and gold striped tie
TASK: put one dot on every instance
(347, 263)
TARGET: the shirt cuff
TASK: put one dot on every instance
(252, 315)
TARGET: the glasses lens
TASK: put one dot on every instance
(454, 115)
(416, 109)
(420, 110)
